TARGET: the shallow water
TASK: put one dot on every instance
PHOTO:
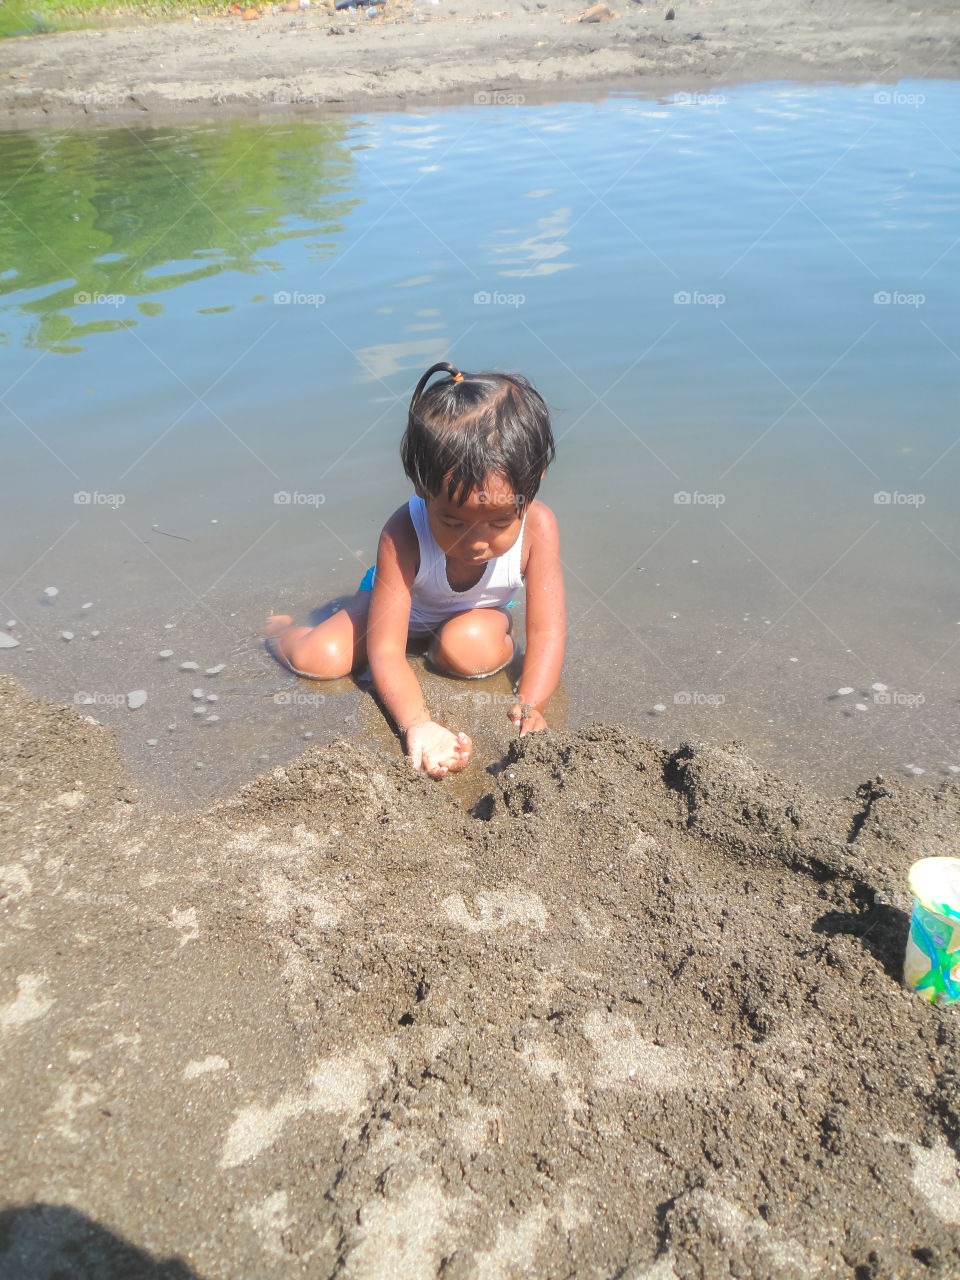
(197, 322)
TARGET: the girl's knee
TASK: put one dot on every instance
(471, 645)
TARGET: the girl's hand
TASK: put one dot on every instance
(436, 750)
(528, 723)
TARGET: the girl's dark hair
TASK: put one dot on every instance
(472, 424)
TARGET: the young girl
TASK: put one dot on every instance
(450, 561)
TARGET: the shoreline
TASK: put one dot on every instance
(294, 65)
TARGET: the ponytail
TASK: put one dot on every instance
(443, 367)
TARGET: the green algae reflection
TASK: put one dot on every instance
(132, 214)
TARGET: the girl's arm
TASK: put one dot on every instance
(546, 621)
(430, 746)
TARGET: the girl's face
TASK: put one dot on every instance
(486, 526)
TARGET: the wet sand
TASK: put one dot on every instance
(634, 1012)
(280, 63)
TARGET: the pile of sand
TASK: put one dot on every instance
(639, 1014)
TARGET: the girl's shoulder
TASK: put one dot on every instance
(540, 531)
(400, 533)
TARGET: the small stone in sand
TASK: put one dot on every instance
(215, 671)
(12, 622)
(794, 659)
(212, 719)
(94, 634)
(880, 688)
(198, 764)
(168, 626)
(171, 727)
(213, 697)
(199, 711)
(861, 706)
(51, 592)
(151, 742)
(165, 653)
(66, 635)
(88, 605)
(8, 642)
(136, 699)
(845, 690)
(308, 735)
(954, 768)
(658, 706)
(189, 666)
(197, 693)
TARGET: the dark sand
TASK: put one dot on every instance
(639, 1014)
(282, 62)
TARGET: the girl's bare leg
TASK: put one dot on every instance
(333, 648)
(476, 642)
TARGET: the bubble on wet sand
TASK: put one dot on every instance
(845, 690)
(66, 635)
(861, 706)
(212, 719)
(658, 706)
(215, 671)
(879, 688)
(8, 642)
(151, 742)
(199, 711)
(51, 591)
(197, 693)
(88, 605)
(213, 697)
(165, 653)
(189, 666)
(94, 634)
(12, 622)
(136, 699)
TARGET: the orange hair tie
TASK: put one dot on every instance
(458, 377)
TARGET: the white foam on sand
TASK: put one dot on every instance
(623, 1056)
(270, 1219)
(340, 1085)
(936, 1176)
(30, 1002)
(200, 1067)
(495, 910)
(403, 1237)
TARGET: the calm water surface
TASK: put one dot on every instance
(741, 309)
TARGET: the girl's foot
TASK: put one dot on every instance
(278, 622)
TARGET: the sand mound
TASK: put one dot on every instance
(638, 1014)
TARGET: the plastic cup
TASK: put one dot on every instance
(931, 966)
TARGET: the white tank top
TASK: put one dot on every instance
(433, 600)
